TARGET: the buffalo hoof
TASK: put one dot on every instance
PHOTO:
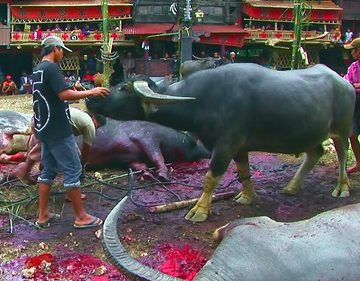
(196, 215)
(289, 191)
(244, 199)
(344, 192)
(163, 177)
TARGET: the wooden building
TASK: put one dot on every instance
(270, 24)
(257, 30)
(28, 22)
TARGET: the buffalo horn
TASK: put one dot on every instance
(118, 255)
(148, 95)
(198, 58)
(207, 58)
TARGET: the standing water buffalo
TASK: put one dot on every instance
(239, 108)
(192, 66)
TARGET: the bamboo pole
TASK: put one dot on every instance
(295, 54)
(185, 203)
(106, 46)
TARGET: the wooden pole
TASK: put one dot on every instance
(295, 54)
(106, 45)
(185, 203)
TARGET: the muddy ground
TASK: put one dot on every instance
(78, 254)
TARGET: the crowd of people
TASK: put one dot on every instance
(40, 31)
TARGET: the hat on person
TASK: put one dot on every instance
(54, 41)
(8, 77)
(355, 44)
(232, 53)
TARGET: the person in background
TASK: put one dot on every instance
(8, 86)
(353, 76)
(232, 57)
(38, 33)
(348, 36)
(128, 65)
(53, 128)
(25, 83)
(67, 27)
(88, 78)
(70, 78)
(1, 76)
(56, 28)
(226, 58)
(174, 66)
(216, 55)
(86, 29)
(218, 60)
(166, 57)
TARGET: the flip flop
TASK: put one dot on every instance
(94, 223)
(47, 223)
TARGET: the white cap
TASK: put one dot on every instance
(232, 53)
(54, 41)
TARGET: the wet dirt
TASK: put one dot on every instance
(161, 239)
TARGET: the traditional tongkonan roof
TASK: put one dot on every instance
(60, 10)
(285, 4)
(282, 10)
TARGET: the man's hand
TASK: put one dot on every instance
(99, 92)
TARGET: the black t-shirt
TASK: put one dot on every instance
(52, 116)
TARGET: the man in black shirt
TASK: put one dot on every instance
(53, 128)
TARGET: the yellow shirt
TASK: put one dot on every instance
(82, 125)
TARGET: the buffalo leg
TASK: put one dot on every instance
(343, 185)
(153, 152)
(200, 211)
(247, 195)
(311, 158)
(218, 166)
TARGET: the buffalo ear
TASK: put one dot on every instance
(143, 90)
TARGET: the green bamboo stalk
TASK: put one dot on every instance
(295, 54)
(106, 48)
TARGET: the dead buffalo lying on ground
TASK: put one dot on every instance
(137, 143)
(132, 143)
(325, 247)
(13, 122)
(239, 108)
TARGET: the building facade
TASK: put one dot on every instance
(257, 30)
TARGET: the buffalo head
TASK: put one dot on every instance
(132, 99)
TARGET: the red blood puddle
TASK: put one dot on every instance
(182, 261)
(71, 266)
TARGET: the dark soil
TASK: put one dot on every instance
(146, 234)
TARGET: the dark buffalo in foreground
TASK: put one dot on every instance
(239, 108)
(324, 247)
